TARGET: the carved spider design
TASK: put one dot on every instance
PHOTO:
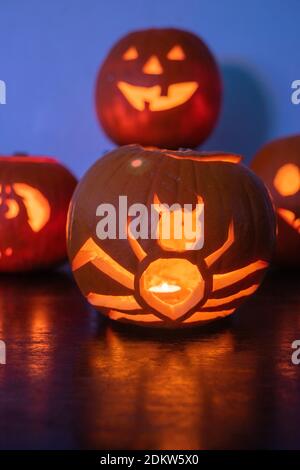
(168, 289)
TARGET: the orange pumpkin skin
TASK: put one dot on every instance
(119, 276)
(34, 196)
(159, 87)
(278, 164)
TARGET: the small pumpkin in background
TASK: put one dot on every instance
(169, 280)
(278, 164)
(159, 87)
(34, 196)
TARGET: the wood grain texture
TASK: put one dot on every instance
(75, 381)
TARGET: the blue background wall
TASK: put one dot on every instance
(50, 52)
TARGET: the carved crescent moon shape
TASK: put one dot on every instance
(13, 209)
(38, 207)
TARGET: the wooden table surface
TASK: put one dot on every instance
(75, 381)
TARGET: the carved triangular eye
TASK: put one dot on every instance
(130, 54)
(176, 53)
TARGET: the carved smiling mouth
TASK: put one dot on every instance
(290, 218)
(138, 96)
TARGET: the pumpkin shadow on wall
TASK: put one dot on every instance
(246, 116)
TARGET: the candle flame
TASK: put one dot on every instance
(164, 287)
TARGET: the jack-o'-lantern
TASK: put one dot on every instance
(159, 87)
(278, 164)
(169, 238)
(34, 196)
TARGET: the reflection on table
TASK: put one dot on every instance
(75, 380)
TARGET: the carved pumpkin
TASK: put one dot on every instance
(278, 164)
(164, 279)
(159, 87)
(34, 197)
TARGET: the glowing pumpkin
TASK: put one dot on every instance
(159, 87)
(130, 266)
(34, 197)
(278, 164)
